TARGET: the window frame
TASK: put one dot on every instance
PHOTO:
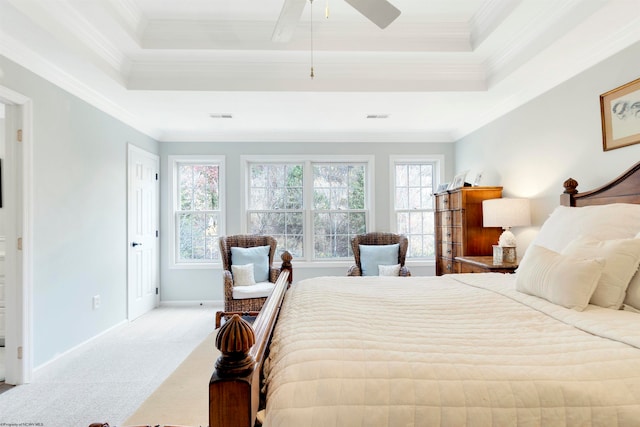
(438, 164)
(308, 161)
(172, 183)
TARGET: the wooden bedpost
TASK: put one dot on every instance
(286, 264)
(232, 379)
(570, 190)
(234, 387)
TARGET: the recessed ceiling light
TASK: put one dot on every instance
(221, 115)
(377, 116)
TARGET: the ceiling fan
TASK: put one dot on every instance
(380, 12)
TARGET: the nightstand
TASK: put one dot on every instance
(484, 264)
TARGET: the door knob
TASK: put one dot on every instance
(134, 244)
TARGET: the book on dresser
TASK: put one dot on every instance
(458, 226)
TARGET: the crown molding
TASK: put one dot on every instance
(311, 136)
(603, 48)
(355, 73)
(549, 24)
(129, 16)
(164, 34)
(23, 56)
(62, 20)
(489, 17)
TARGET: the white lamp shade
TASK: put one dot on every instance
(506, 213)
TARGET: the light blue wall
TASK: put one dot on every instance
(534, 149)
(80, 214)
(206, 284)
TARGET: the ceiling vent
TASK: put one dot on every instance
(221, 115)
(377, 116)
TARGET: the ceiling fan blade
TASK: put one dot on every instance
(288, 20)
(380, 12)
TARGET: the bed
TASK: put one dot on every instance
(558, 343)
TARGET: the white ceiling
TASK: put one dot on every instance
(442, 69)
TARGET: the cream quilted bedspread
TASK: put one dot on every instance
(433, 351)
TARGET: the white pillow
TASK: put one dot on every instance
(561, 279)
(614, 221)
(632, 309)
(389, 270)
(633, 291)
(242, 275)
(632, 297)
(622, 257)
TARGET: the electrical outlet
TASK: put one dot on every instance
(96, 302)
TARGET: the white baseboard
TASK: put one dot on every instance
(212, 303)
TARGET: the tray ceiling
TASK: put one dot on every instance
(214, 70)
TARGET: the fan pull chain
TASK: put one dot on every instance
(311, 21)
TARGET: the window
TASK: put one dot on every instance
(276, 205)
(197, 208)
(313, 208)
(413, 187)
(338, 208)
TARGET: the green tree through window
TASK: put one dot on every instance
(198, 212)
(276, 205)
(413, 205)
(337, 208)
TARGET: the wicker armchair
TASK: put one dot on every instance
(379, 239)
(245, 305)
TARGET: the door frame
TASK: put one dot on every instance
(19, 263)
(130, 149)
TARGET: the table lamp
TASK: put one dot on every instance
(505, 213)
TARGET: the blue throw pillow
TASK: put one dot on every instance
(371, 256)
(258, 256)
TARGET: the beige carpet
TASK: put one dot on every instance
(183, 398)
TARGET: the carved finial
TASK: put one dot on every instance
(571, 186)
(234, 340)
(286, 257)
(286, 264)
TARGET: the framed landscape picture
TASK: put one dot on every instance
(620, 110)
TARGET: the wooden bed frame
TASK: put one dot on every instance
(234, 389)
(624, 189)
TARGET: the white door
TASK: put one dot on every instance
(12, 204)
(17, 182)
(142, 225)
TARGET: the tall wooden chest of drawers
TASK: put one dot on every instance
(458, 226)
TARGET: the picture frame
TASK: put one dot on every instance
(478, 178)
(442, 187)
(458, 181)
(620, 112)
